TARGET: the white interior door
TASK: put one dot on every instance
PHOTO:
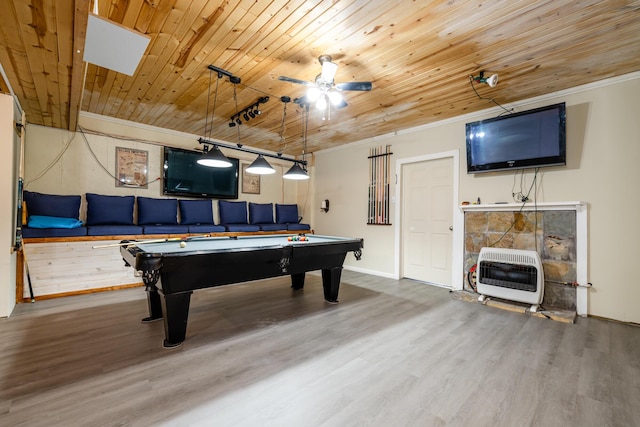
(427, 220)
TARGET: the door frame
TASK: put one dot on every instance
(457, 220)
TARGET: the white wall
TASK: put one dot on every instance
(61, 162)
(603, 149)
(9, 146)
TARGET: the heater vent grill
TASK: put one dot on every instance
(511, 274)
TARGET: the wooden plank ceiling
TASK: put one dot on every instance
(417, 54)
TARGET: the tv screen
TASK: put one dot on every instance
(183, 176)
(529, 139)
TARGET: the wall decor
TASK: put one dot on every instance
(250, 181)
(131, 167)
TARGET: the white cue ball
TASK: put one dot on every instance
(183, 244)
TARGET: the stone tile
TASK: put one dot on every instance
(559, 296)
(473, 242)
(560, 223)
(559, 270)
(475, 222)
(559, 248)
(500, 240)
(499, 221)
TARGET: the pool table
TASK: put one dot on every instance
(173, 269)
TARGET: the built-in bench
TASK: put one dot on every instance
(59, 248)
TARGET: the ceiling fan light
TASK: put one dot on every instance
(313, 93)
(214, 159)
(296, 172)
(335, 98)
(322, 103)
(329, 71)
(260, 167)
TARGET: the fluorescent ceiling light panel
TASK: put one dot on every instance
(113, 46)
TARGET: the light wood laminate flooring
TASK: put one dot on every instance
(391, 353)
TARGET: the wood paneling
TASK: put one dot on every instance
(68, 267)
(419, 56)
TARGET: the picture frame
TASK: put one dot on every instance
(250, 182)
(131, 167)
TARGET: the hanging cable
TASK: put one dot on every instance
(53, 162)
(488, 99)
(93, 154)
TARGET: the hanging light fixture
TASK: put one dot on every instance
(296, 172)
(214, 158)
(260, 166)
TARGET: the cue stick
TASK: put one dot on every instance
(372, 181)
(136, 243)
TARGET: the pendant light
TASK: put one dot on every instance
(260, 166)
(296, 172)
(213, 157)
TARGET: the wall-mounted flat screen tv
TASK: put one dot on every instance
(183, 176)
(528, 139)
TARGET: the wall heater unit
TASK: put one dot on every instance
(510, 274)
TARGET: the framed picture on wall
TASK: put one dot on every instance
(250, 181)
(131, 167)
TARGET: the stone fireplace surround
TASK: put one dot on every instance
(557, 230)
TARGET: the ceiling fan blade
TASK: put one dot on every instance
(302, 101)
(362, 86)
(296, 81)
(342, 104)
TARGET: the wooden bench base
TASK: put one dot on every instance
(64, 266)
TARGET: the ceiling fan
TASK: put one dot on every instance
(324, 92)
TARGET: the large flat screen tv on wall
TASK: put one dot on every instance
(183, 176)
(528, 139)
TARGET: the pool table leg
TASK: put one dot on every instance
(331, 283)
(176, 313)
(155, 305)
(297, 281)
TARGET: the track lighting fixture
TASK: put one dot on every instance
(491, 80)
(249, 112)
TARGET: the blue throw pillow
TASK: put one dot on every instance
(286, 214)
(109, 210)
(194, 212)
(260, 213)
(52, 205)
(232, 212)
(42, 221)
(157, 211)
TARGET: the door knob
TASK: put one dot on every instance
(451, 227)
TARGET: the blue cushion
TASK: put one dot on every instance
(242, 227)
(109, 210)
(272, 227)
(157, 211)
(40, 221)
(261, 213)
(286, 214)
(52, 205)
(113, 230)
(165, 229)
(232, 212)
(53, 232)
(196, 212)
(207, 228)
(298, 226)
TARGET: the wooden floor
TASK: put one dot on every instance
(392, 353)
